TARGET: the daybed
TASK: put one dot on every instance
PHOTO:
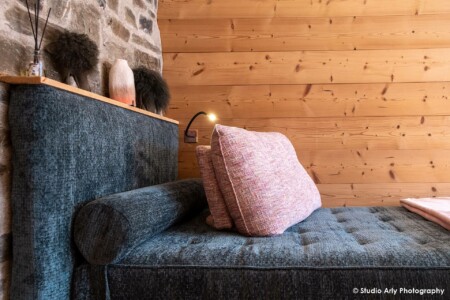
(71, 151)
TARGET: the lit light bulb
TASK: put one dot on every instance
(212, 117)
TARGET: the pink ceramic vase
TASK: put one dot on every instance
(121, 83)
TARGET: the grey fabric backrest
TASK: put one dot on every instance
(69, 150)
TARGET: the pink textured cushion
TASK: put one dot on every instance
(220, 217)
(265, 187)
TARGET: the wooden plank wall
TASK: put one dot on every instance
(360, 87)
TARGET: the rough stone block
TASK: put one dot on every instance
(106, 67)
(87, 19)
(139, 3)
(60, 8)
(32, 4)
(18, 20)
(144, 43)
(95, 82)
(119, 30)
(114, 5)
(114, 51)
(146, 60)
(130, 17)
(146, 24)
(102, 3)
(15, 57)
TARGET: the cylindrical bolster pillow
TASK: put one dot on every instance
(108, 228)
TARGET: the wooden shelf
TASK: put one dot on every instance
(75, 90)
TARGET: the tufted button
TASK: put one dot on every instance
(249, 242)
(307, 243)
(303, 230)
(362, 243)
(384, 219)
(309, 240)
(351, 230)
(399, 229)
(195, 241)
(421, 241)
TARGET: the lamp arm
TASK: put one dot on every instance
(192, 120)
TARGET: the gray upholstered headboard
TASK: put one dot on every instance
(68, 150)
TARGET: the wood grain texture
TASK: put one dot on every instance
(377, 166)
(362, 166)
(357, 194)
(385, 194)
(368, 167)
(197, 9)
(357, 133)
(293, 34)
(360, 87)
(308, 67)
(318, 100)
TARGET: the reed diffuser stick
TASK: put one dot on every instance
(36, 67)
(35, 26)
(36, 15)
(31, 21)
(45, 27)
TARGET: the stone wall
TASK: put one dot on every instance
(124, 29)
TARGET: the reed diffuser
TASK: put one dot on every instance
(36, 68)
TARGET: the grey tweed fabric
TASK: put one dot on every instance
(324, 257)
(69, 150)
(110, 227)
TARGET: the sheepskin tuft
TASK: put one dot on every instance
(75, 51)
(152, 92)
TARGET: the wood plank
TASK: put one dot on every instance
(369, 167)
(307, 67)
(356, 133)
(193, 9)
(357, 194)
(321, 100)
(377, 166)
(34, 80)
(292, 8)
(294, 34)
(416, 133)
(383, 194)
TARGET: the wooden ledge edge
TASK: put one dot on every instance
(62, 86)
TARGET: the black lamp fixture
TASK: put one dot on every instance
(191, 136)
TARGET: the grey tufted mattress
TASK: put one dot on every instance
(328, 255)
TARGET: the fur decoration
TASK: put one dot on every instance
(152, 92)
(75, 55)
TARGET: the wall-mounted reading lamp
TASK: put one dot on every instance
(191, 136)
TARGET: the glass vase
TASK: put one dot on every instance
(36, 68)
